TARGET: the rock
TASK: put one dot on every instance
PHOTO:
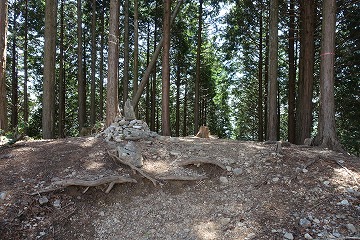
(304, 223)
(43, 200)
(131, 154)
(308, 236)
(224, 180)
(351, 228)
(3, 195)
(237, 171)
(288, 236)
(129, 112)
(344, 202)
(326, 183)
(275, 179)
(57, 203)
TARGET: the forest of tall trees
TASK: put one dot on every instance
(249, 70)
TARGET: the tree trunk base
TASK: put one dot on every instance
(203, 132)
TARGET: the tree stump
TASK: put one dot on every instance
(203, 132)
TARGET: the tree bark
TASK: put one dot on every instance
(48, 113)
(292, 75)
(149, 68)
(185, 111)
(101, 71)
(80, 74)
(178, 81)
(153, 83)
(14, 74)
(61, 127)
(3, 44)
(26, 99)
(93, 63)
(326, 136)
(165, 117)
(260, 79)
(112, 100)
(198, 63)
(126, 53)
(136, 52)
(306, 77)
(273, 68)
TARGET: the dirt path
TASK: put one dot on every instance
(301, 193)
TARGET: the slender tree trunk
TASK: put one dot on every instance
(126, 52)
(93, 63)
(149, 68)
(273, 68)
(306, 78)
(260, 77)
(266, 87)
(80, 74)
(101, 71)
(136, 51)
(14, 75)
(327, 131)
(61, 75)
(48, 113)
(165, 117)
(178, 81)
(147, 104)
(198, 63)
(185, 111)
(3, 44)
(112, 100)
(26, 99)
(292, 75)
(153, 85)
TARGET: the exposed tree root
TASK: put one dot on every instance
(86, 183)
(182, 178)
(200, 161)
(123, 161)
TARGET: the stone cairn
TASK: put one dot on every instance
(127, 128)
(124, 131)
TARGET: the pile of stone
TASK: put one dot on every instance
(127, 128)
(130, 130)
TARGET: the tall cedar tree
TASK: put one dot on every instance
(93, 63)
(48, 110)
(126, 52)
(61, 127)
(112, 100)
(198, 63)
(26, 99)
(14, 73)
(166, 70)
(306, 71)
(136, 50)
(292, 75)
(80, 74)
(3, 44)
(327, 133)
(260, 77)
(272, 123)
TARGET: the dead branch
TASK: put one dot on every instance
(182, 178)
(86, 183)
(123, 161)
(201, 161)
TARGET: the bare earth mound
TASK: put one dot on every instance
(202, 189)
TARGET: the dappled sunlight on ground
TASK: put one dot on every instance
(207, 230)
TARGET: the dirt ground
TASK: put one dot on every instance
(246, 190)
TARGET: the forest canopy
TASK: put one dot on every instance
(220, 53)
